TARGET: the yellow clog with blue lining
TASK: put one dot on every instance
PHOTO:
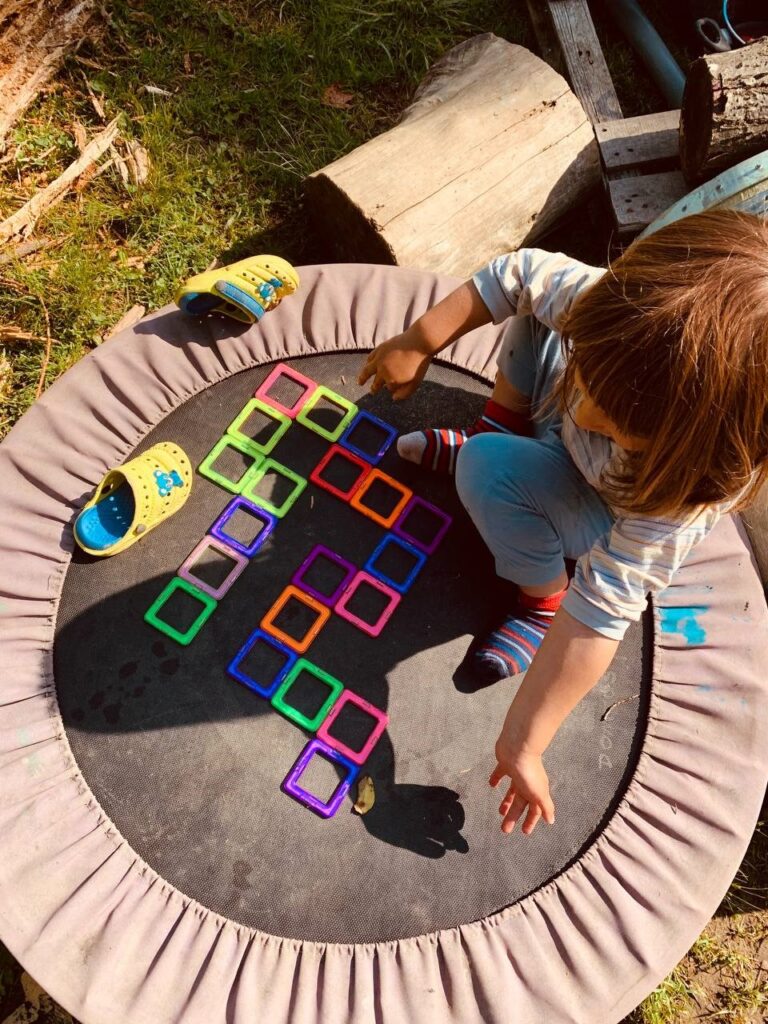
(133, 499)
(245, 290)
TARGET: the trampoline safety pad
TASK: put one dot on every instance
(152, 867)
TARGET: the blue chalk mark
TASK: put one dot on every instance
(685, 622)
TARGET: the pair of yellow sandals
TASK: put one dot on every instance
(148, 489)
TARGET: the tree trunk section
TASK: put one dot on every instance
(724, 117)
(35, 37)
(494, 148)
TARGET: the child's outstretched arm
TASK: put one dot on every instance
(571, 659)
(400, 363)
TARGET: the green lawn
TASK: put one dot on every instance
(229, 98)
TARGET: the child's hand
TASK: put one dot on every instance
(398, 365)
(529, 787)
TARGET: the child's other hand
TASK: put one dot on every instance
(529, 787)
(398, 365)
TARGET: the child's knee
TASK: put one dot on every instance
(481, 461)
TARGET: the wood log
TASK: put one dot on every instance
(494, 148)
(37, 35)
(724, 116)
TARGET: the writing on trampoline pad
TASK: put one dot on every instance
(606, 690)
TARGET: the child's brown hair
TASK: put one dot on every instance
(672, 346)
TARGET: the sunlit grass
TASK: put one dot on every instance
(241, 121)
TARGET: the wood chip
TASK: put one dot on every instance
(335, 96)
(48, 346)
(6, 378)
(155, 90)
(24, 220)
(80, 136)
(137, 161)
(129, 319)
(96, 103)
(366, 795)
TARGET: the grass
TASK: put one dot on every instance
(241, 121)
(242, 118)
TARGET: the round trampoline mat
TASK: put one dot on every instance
(188, 763)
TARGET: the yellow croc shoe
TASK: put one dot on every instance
(132, 500)
(245, 290)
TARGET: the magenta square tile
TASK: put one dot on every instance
(186, 573)
(443, 521)
(283, 370)
(380, 719)
(321, 551)
(365, 579)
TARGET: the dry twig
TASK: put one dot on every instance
(24, 219)
(47, 353)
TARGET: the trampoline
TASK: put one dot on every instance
(152, 868)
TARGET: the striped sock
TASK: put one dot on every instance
(511, 646)
(437, 449)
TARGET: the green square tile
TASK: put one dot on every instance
(278, 702)
(255, 474)
(283, 423)
(322, 392)
(206, 466)
(177, 583)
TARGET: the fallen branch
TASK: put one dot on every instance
(39, 55)
(10, 333)
(25, 219)
(29, 247)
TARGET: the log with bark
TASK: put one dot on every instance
(494, 148)
(724, 117)
(35, 37)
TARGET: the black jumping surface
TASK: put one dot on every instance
(188, 763)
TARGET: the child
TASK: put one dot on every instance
(630, 411)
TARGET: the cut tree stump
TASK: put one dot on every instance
(35, 36)
(494, 148)
(724, 117)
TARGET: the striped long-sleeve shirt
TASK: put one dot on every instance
(639, 555)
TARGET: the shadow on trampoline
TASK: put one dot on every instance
(113, 679)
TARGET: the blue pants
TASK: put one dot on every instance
(531, 504)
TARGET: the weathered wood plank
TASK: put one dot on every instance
(639, 200)
(743, 187)
(584, 58)
(635, 141)
(549, 45)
